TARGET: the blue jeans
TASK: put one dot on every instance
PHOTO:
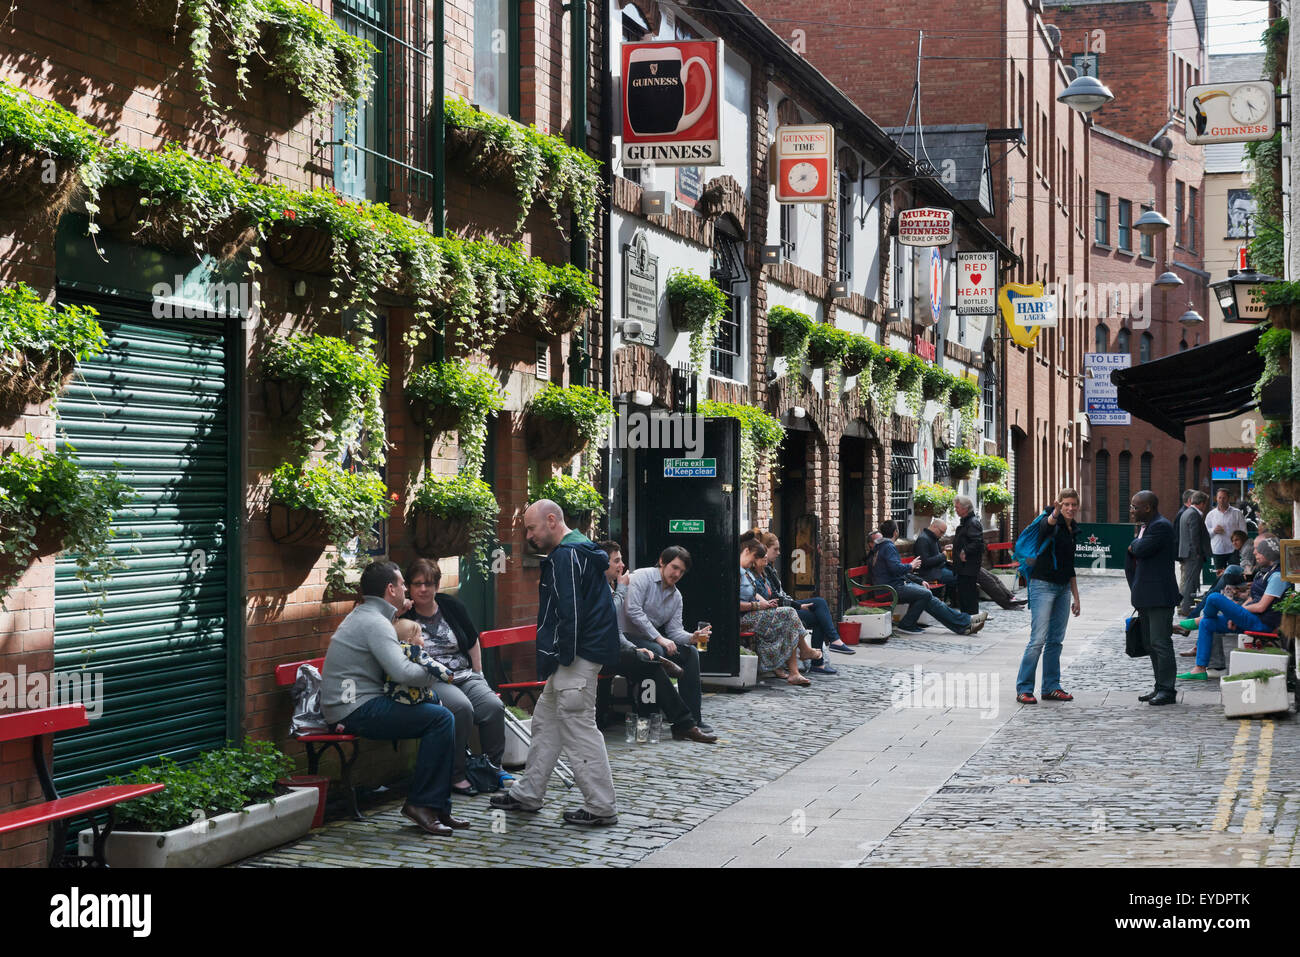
(384, 719)
(1218, 612)
(1232, 575)
(919, 599)
(1049, 611)
(817, 619)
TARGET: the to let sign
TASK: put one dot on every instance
(977, 287)
(672, 103)
(803, 163)
(1100, 395)
(925, 226)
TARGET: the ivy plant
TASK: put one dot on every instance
(590, 411)
(465, 497)
(993, 466)
(1275, 346)
(51, 489)
(43, 127)
(350, 502)
(760, 434)
(471, 391)
(36, 338)
(790, 327)
(994, 496)
(342, 398)
(697, 304)
(962, 461)
(859, 358)
(572, 494)
(544, 166)
(936, 383)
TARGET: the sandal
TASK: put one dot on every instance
(1058, 695)
(781, 673)
(1026, 698)
(799, 681)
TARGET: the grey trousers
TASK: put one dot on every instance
(473, 702)
(564, 720)
(1157, 631)
(1191, 581)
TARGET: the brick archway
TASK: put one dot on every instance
(640, 368)
(723, 196)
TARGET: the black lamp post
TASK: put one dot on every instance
(1240, 296)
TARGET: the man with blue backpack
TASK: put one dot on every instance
(1046, 553)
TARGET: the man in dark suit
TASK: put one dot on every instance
(1193, 548)
(967, 554)
(1149, 568)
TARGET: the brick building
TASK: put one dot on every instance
(998, 64)
(198, 620)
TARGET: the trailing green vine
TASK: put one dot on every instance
(697, 305)
(40, 343)
(589, 411)
(465, 497)
(789, 330)
(1275, 346)
(543, 165)
(44, 127)
(573, 495)
(471, 392)
(760, 435)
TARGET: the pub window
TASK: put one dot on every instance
(988, 401)
(1147, 242)
(729, 273)
(1144, 347)
(1196, 472)
(1103, 337)
(1087, 64)
(1182, 474)
(496, 56)
(1103, 479)
(1146, 470)
(903, 470)
(846, 229)
(1191, 217)
(1179, 211)
(789, 228)
(1121, 341)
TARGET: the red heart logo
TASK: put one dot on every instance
(975, 278)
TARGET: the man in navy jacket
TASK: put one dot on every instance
(888, 569)
(577, 634)
(1149, 568)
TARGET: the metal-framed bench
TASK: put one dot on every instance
(318, 743)
(37, 725)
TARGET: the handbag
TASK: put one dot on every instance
(1134, 646)
(482, 773)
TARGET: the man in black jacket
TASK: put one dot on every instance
(577, 633)
(1149, 568)
(967, 554)
(934, 566)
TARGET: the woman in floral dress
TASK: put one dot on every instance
(779, 636)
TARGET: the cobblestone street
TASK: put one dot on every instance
(835, 775)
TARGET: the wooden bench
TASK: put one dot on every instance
(318, 744)
(37, 725)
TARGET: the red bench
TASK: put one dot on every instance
(37, 725)
(318, 744)
(1002, 547)
(862, 592)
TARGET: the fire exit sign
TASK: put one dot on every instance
(685, 526)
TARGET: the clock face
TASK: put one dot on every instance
(803, 178)
(1249, 104)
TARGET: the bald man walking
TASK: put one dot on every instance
(577, 634)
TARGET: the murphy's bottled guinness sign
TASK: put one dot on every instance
(672, 103)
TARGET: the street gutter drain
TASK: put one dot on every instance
(966, 789)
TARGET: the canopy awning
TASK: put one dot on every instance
(1210, 382)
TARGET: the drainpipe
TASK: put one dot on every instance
(579, 358)
(437, 119)
(606, 213)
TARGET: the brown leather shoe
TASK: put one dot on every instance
(670, 668)
(427, 819)
(694, 734)
(453, 822)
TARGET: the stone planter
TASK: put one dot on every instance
(216, 841)
(875, 629)
(436, 537)
(1244, 660)
(303, 527)
(516, 753)
(1254, 696)
(24, 193)
(549, 440)
(748, 677)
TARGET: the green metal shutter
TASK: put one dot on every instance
(156, 405)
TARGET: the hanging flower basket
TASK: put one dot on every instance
(303, 527)
(300, 247)
(435, 537)
(39, 371)
(1286, 316)
(549, 440)
(123, 216)
(1281, 494)
(283, 398)
(434, 419)
(552, 319)
(470, 149)
(1288, 628)
(23, 187)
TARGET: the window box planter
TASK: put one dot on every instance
(216, 841)
(549, 440)
(303, 527)
(433, 536)
(301, 247)
(748, 677)
(470, 149)
(1254, 696)
(553, 319)
(23, 191)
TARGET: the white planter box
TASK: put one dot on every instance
(925, 618)
(748, 677)
(215, 841)
(516, 753)
(874, 627)
(1243, 661)
(1252, 696)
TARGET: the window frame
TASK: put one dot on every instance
(514, 65)
(1124, 224)
(1101, 218)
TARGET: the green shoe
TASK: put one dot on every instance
(1194, 676)
(1188, 623)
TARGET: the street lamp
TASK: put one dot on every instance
(1191, 318)
(1241, 295)
(1085, 94)
(1168, 280)
(1150, 223)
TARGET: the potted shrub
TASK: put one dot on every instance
(826, 345)
(1283, 301)
(910, 370)
(859, 354)
(788, 331)
(963, 393)
(760, 435)
(935, 382)
(993, 498)
(223, 807)
(992, 468)
(33, 132)
(48, 503)
(1254, 692)
(40, 345)
(695, 305)
(877, 625)
(580, 500)
(332, 388)
(454, 516)
(961, 462)
(456, 395)
(315, 505)
(1277, 476)
(929, 498)
(561, 421)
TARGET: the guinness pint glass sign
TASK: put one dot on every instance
(672, 103)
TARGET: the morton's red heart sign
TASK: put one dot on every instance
(977, 284)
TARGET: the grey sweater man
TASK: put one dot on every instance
(363, 651)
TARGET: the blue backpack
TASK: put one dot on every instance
(1031, 543)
